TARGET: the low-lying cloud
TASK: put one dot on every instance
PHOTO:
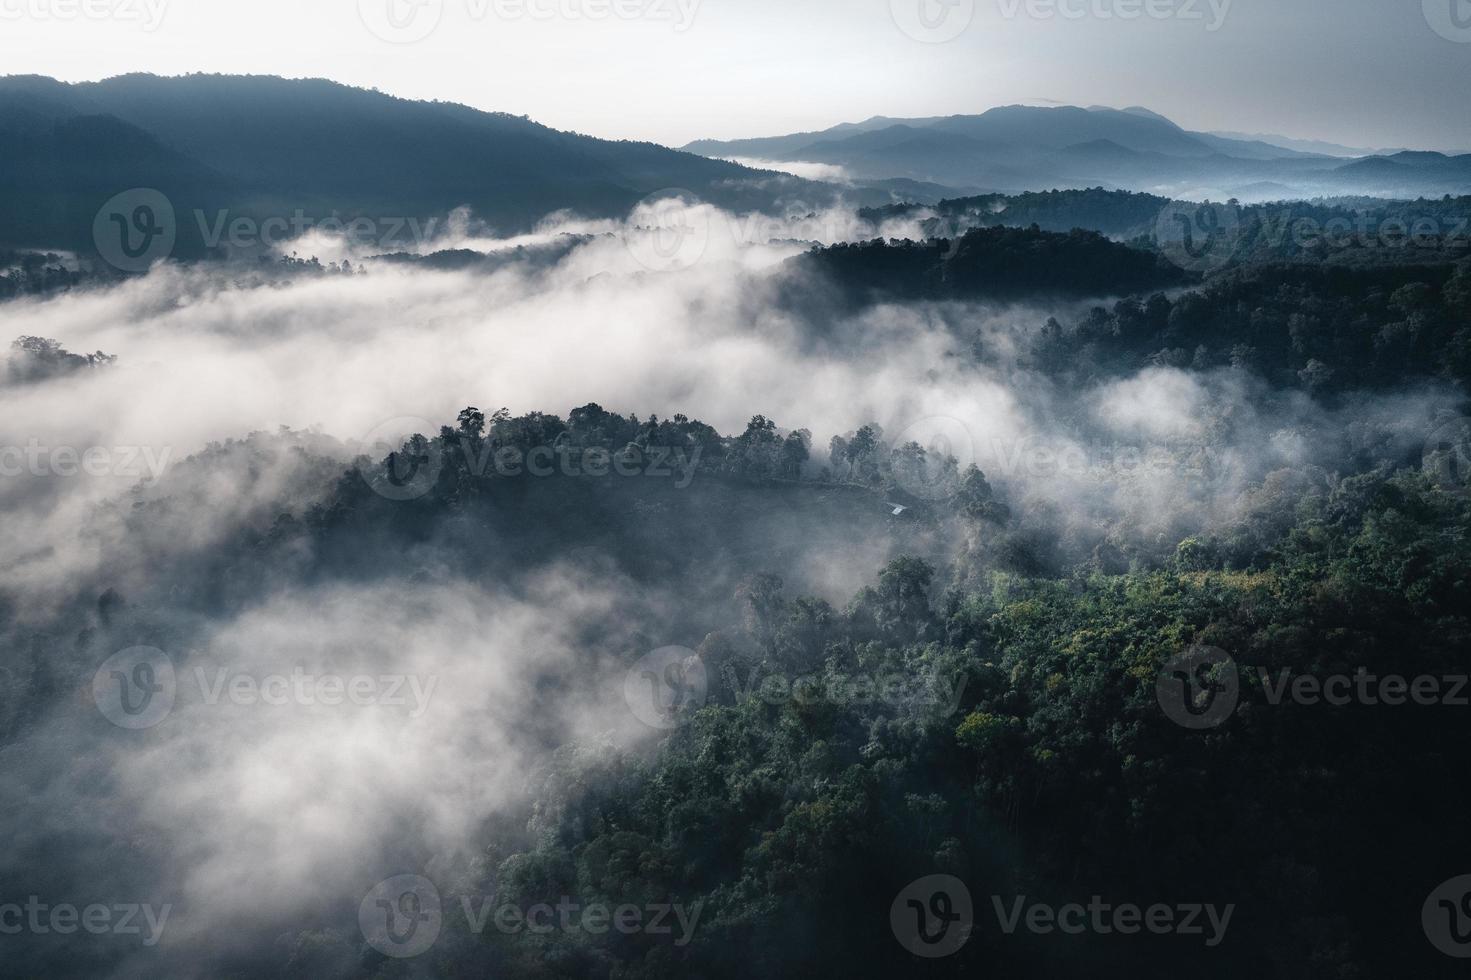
(251, 814)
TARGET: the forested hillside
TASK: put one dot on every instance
(914, 657)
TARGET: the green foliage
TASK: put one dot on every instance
(996, 262)
(1318, 328)
(1055, 772)
(35, 359)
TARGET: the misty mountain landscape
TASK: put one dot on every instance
(484, 527)
(1031, 148)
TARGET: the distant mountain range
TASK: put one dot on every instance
(1024, 148)
(222, 148)
(266, 147)
(1318, 147)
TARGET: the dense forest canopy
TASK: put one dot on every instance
(856, 563)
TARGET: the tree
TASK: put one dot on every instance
(762, 597)
(903, 597)
(795, 451)
(472, 423)
(977, 500)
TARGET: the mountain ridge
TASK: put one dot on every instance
(260, 145)
(1032, 148)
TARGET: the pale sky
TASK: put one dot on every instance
(1361, 72)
